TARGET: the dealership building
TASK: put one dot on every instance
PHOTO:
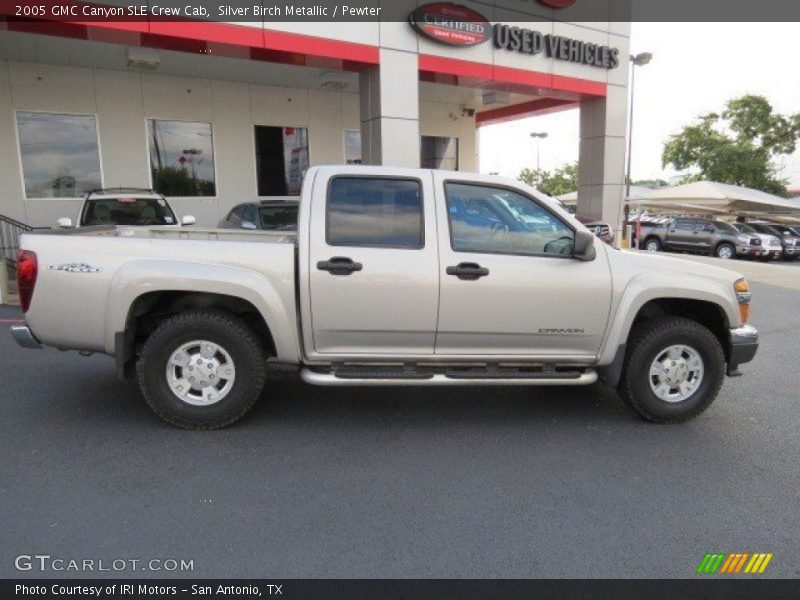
(217, 113)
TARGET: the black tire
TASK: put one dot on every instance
(646, 342)
(721, 250)
(230, 333)
(655, 243)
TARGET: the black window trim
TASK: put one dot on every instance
(509, 189)
(417, 180)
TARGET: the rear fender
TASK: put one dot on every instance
(146, 276)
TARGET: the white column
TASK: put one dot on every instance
(390, 110)
(601, 169)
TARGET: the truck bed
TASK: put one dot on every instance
(89, 276)
(167, 232)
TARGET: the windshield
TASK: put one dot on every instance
(278, 218)
(769, 230)
(723, 226)
(127, 211)
(744, 228)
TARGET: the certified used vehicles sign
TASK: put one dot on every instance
(451, 24)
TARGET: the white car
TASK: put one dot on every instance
(125, 206)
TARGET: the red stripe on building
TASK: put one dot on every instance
(206, 36)
(526, 109)
(472, 74)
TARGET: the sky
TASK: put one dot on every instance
(696, 68)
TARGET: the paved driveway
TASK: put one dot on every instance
(388, 482)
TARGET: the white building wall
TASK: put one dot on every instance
(123, 100)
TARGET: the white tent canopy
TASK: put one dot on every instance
(710, 196)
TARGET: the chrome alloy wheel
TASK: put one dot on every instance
(725, 252)
(200, 373)
(652, 246)
(676, 373)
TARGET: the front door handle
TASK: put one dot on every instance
(468, 271)
(339, 265)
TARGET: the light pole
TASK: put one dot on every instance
(539, 136)
(639, 60)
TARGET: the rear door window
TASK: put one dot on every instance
(375, 212)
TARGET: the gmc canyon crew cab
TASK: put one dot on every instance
(394, 277)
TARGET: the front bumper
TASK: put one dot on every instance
(743, 347)
(748, 250)
(23, 335)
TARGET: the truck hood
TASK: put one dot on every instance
(646, 262)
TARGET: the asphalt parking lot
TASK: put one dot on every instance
(392, 482)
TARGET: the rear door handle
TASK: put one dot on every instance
(339, 265)
(468, 271)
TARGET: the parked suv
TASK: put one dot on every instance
(705, 236)
(770, 240)
(789, 239)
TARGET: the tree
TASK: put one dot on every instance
(650, 183)
(737, 146)
(562, 181)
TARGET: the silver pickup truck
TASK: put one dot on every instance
(394, 277)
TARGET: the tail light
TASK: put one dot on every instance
(743, 298)
(27, 270)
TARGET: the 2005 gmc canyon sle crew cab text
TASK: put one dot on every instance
(394, 277)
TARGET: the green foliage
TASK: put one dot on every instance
(562, 181)
(173, 181)
(650, 183)
(737, 146)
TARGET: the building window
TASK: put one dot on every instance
(375, 211)
(439, 153)
(60, 156)
(352, 147)
(181, 158)
(281, 159)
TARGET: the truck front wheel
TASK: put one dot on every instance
(201, 369)
(652, 245)
(674, 368)
(726, 251)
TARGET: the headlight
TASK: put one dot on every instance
(743, 238)
(743, 298)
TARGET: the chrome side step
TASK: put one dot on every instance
(330, 378)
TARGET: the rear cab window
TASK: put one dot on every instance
(377, 212)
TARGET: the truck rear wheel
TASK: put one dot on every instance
(726, 251)
(673, 370)
(652, 245)
(201, 369)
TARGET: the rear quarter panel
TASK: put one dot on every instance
(85, 310)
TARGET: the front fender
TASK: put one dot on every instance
(655, 286)
(274, 302)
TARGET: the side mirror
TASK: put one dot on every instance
(188, 220)
(248, 225)
(584, 246)
(709, 227)
(64, 223)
